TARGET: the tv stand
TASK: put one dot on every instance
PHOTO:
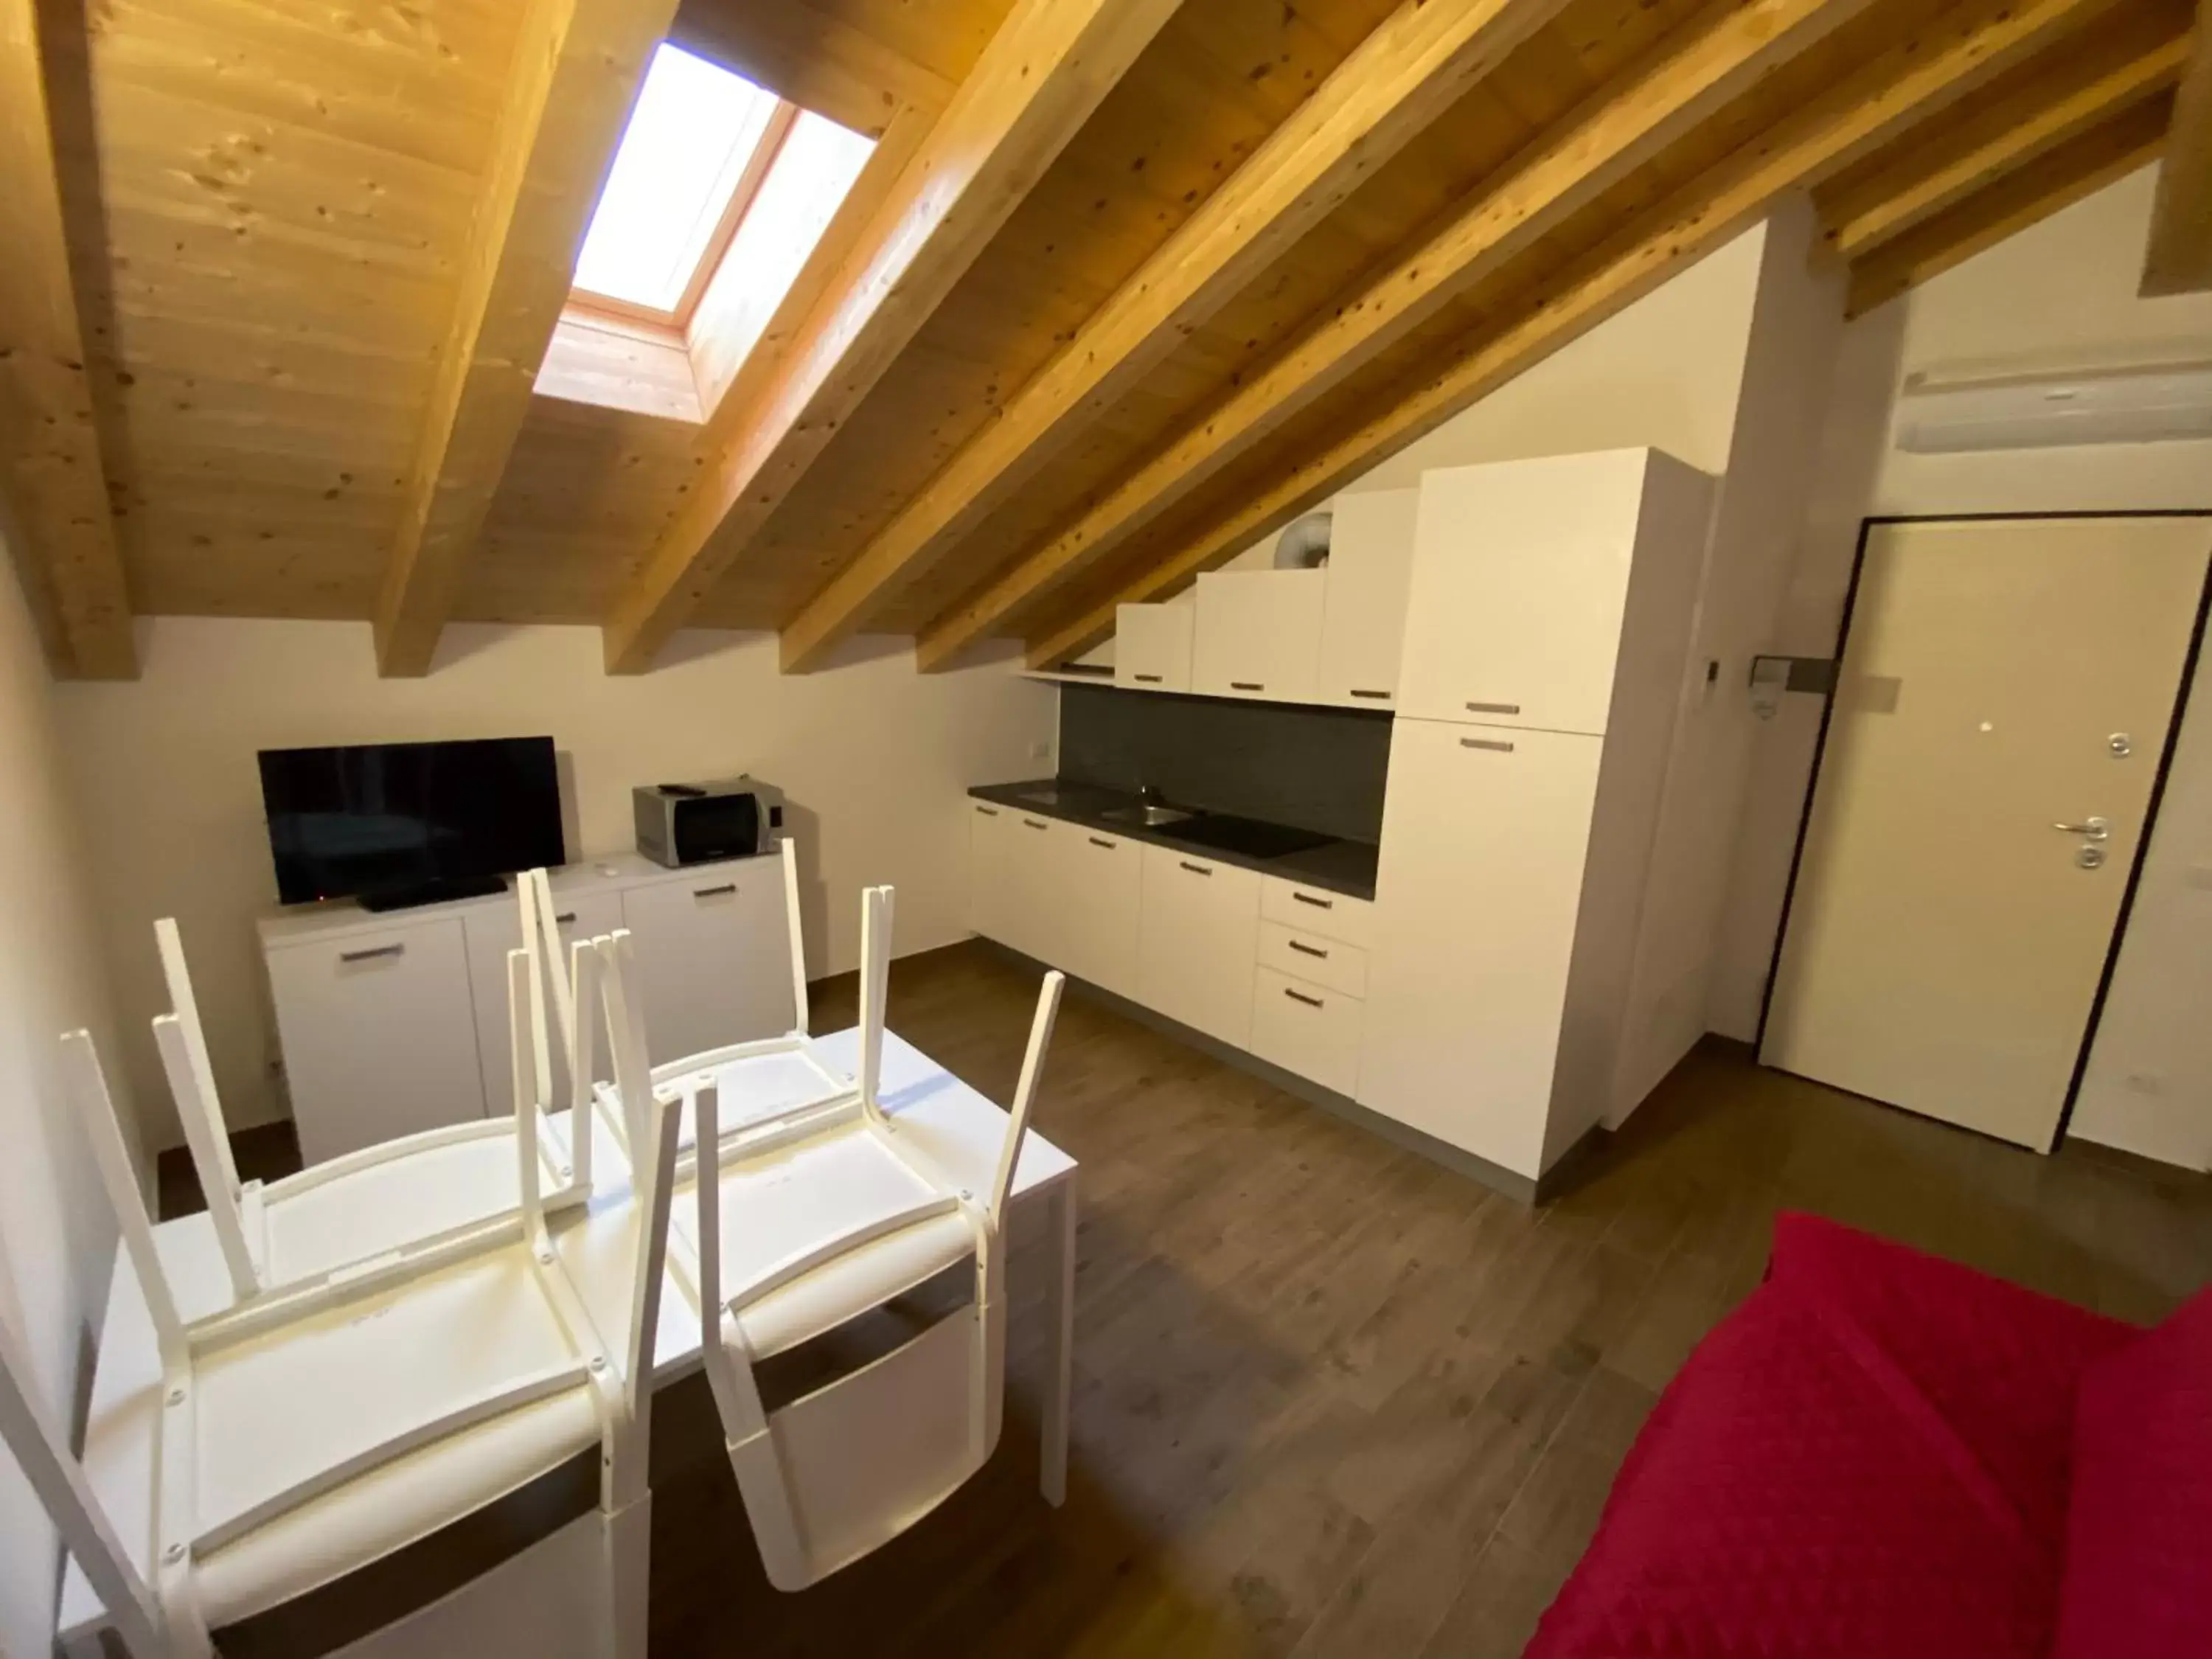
(439, 889)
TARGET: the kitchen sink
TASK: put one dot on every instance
(1148, 815)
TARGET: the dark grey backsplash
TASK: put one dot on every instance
(1314, 768)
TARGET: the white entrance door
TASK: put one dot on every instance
(2001, 709)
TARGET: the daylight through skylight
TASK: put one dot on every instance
(690, 141)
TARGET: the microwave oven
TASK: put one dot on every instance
(681, 824)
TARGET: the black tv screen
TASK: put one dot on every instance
(385, 819)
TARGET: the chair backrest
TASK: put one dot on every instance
(192, 1085)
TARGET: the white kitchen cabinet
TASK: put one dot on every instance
(1536, 583)
(1484, 837)
(1362, 619)
(1340, 967)
(491, 931)
(712, 956)
(1258, 634)
(1197, 935)
(1309, 909)
(379, 1031)
(1152, 647)
(1104, 883)
(1307, 1029)
(990, 847)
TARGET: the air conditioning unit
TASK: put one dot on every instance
(1941, 414)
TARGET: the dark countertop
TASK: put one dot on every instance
(1338, 866)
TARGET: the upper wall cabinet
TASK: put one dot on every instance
(1259, 635)
(1152, 647)
(1363, 623)
(1520, 581)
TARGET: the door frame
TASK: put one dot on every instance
(2190, 662)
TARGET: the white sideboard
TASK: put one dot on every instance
(397, 1022)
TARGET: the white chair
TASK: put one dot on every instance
(405, 1204)
(341, 1426)
(800, 1228)
(775, 1079)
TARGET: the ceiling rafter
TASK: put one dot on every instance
(2076, 93)
(1408, 70)
(57, 486)
(2026, 195)
(1955, 53)
(1692, 74)
(576, 73)
(1038, 81)
(2178, 260)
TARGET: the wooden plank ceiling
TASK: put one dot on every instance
(1127, 284)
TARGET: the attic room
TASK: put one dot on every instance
(1095, 827)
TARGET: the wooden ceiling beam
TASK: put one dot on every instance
(576, 74)
(1692, 73)
(1037, 81)
(1411, 67)
(2040, 187)
(815, 61)
(2179, 256)
(1951, 55)
(57, 482)
(2075, 95)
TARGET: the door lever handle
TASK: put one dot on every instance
(2095, 829)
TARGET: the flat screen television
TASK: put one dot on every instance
(399, 824)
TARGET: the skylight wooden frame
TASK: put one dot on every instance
(677, 320)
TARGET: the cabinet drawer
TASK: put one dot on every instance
(379, 1031)
(1317, 910)
(1307, 1029)
(1341, 967)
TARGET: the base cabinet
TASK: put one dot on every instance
(1198, 943)
(379, 1035)
(394, 1024)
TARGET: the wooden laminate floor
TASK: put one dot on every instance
(1333, 1399)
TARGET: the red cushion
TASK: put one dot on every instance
(2138, 1581)
(1868, 1457)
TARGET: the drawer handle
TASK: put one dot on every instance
(1317, 903)
(564, 919)
(373, 954)
(1100, 840)
(715, 892)
(1493, 709)
(1379, 696)
(1300, 996)
(1148, 679)
(1487, 743)
(1248, 685)
(1036, 824)
(1303, 949)
(1195, 869)
(988, 812)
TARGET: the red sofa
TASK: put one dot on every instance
(1884, 1456)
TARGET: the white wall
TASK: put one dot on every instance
(2061, 294)
(56, 1238)
(874, 757)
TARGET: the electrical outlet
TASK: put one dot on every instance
(2146, 1083)
(2200, 875)
(1040, 751)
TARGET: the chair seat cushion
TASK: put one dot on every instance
(1869, 1456)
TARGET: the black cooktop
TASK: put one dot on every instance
(1252, 837)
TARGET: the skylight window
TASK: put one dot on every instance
(719, 195)
(702, 145)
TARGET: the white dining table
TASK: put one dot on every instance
(959, 1129)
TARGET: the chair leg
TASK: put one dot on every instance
(626, 1541)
